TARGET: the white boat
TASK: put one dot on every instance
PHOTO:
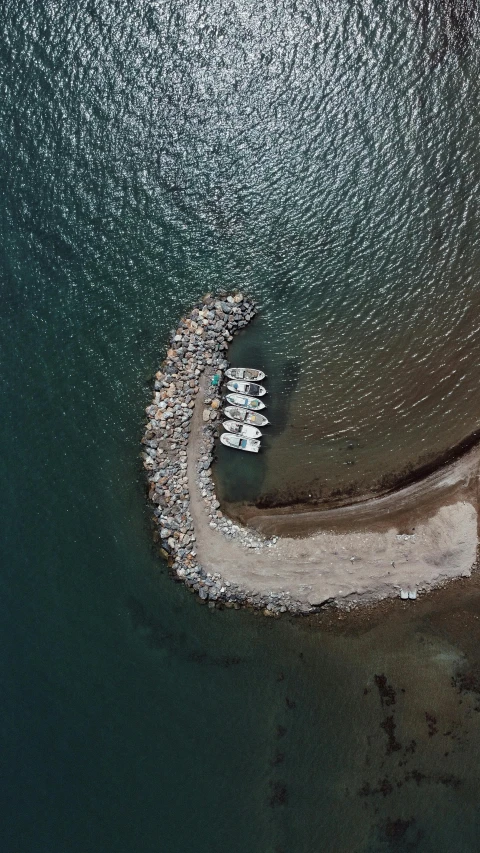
(239, 443)
(249, 374)
(244, 430)
(247, 402)
(247, 388)
(246, 416)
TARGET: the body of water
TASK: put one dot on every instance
(324, 158)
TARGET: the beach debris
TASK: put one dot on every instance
(408, 594)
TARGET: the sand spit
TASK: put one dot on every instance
(417, 538)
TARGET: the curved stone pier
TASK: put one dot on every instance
(179, 440)
(225, 562)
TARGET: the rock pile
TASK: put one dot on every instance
(198, 345)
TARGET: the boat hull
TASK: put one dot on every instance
(247, 388)
(248, 374)
(246, 416)
(245, 430)
(245, 402)
(247, 444)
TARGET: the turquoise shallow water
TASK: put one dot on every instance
(324, 159)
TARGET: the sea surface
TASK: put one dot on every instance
(324, 158)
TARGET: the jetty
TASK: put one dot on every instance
(179, 470)
(232, 565)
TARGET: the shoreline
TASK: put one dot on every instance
(390, 485)
(288, 559)
(403, 507)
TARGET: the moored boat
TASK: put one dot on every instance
(244, 430)
(246, 416)
(247, 402)
(251, 388)
(239, 443)
(248, 374)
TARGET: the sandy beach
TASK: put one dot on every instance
(416, 538)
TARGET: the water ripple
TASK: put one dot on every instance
(322, 157)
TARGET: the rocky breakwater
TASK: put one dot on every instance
(197, 352)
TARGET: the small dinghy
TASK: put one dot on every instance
(247, 388)
(239, 443)
(245, 416)
(247, 402)
(248, 374)
(244, 430)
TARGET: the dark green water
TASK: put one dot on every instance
(151, 152)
